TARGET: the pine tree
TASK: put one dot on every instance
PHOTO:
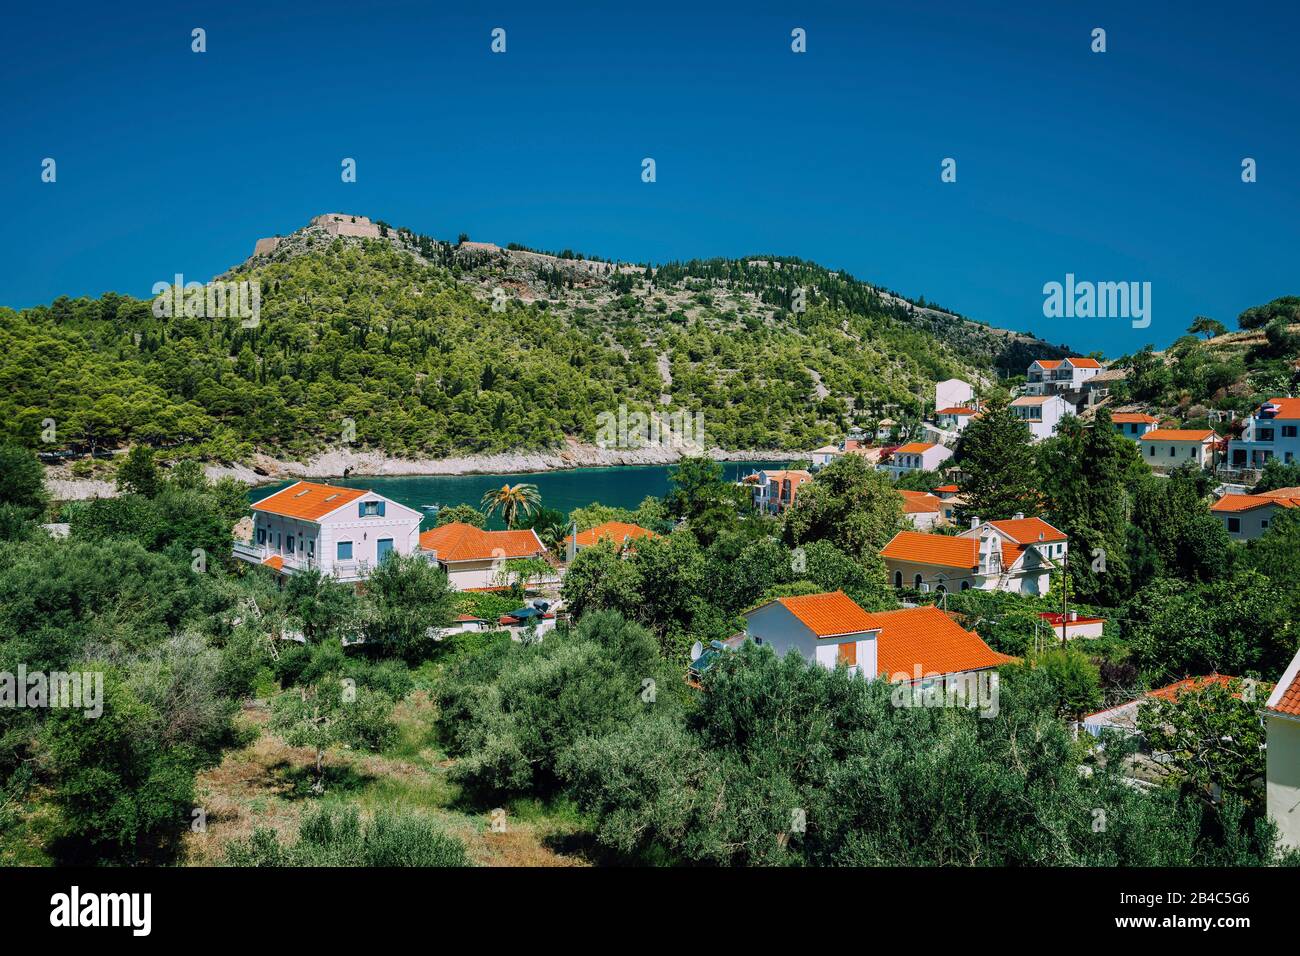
(997, 462)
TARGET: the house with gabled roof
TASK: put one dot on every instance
(1042, 413)
(921, 508)
(1016, 555)
(342, 532)
(1053, 376)
(1168, 448)
(775, 491)
(1133, 424)
(622, 534)
(1246, 517)
(474, 558)
(1123, 718)
(913, 645)
(1282, 773)
(915, 456)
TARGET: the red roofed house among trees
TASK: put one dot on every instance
(1282, 776)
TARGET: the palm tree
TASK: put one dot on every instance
(510, 500)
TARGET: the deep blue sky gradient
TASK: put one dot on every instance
(1120, 166)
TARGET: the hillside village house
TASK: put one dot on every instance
(1282, 773)
(342, 532)
(1273, 431)
(1165, 448)
(1053, 376)
(1123, 718)
(952, 392)
(775, 491)
(1042, 413)
(1016, 555)
(915, 456)
(821, 457)
(474, 558)
(955, 418)
(1073, 625)
(885, 429)
(921, 508)
(915, 645)
(1133, 424)
(1246, 517)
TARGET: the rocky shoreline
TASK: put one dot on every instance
(344, 462)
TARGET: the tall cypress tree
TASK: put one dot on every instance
(997, 460)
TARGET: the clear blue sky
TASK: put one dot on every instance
(1115, 166)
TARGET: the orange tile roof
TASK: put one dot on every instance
(1024, 400)
(1083, 362)
(274, 562)
(459, 541)
(833, 614)
(1048, 363)
(1289, 701)
(308, 500)
(1233, 503)
(1292, 491)
(1178, 434)
(1027, 530)
(1136, 418)
(937, 549)
(1287, 407)
(957, 410)
(616, 531)
(918, 502)
(1191, 683)
(915, 448)
(927, 638)
(947, 488)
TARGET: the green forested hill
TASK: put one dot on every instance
(398, 334)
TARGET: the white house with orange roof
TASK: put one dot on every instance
(1282, 773)
(955, 418)
(1133, 424)
(921, 508)
(775, 491)
(474, 558)
(1246, 517)
(1016, 555)
(342, 532)
(1123, 718)
(1051, 376)
(1042, 413)
(1166, 448)
(915, 456)
(915, 645)
(1273, 431)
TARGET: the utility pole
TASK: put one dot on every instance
(1065, 593)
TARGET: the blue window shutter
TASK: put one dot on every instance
(361, 509)
(381, 509)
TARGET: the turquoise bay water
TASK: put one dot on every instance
(621, 487)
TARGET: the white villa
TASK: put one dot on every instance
(1051, 376)
(474, 558)
(1165, 448)
(1042, 413)
(1272, 432)
(916, 456)
(342, 532)
(1016, 555)
(913, 645)
(1282, 773)
(951, 392)
(1246, 517)
(1133, 424)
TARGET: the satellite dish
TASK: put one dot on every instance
(696, 650)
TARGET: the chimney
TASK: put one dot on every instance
(974, 522)
(1019, 516)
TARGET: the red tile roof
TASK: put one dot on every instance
(833, 614)
(1235, 503)
(919, 502)
(1178, 434)
(308, 500)
(1083, 362)
(957, 410)
(947, 489)
(1054, 619)
(927, 638)
(274, 562)
(459, 541)
(914, 448)
(1029, 530)
(937, 549)
(616, 531)
(1288, 702)
(1287, 407)
(1048, 363)
(1173, 691)
(1135, 418)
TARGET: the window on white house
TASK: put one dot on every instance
(345, 551)
(261, 536)
(1234, 524)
